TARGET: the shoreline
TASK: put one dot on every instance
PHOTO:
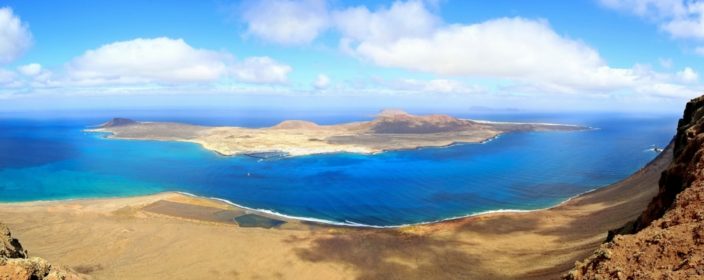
(329, 222)
(290, 217)
(110, 135)
(175, 235)
(274, 213)
(359, 225)
(388, 132)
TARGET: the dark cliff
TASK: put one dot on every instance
(667, 240)
(686, 165)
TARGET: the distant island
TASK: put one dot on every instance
(390, 130)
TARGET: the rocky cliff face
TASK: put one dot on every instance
(15, 264)
(667, 240)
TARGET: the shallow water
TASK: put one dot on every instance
(46, 159)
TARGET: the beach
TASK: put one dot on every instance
(177, 236)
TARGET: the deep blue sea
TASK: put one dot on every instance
(45, 157)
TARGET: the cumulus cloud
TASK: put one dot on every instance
(261, 70)
(15, 37)
(31, 69)
(402, 19)
(507, 47)
(286, 21)
(321, 82)
(523, 50)
(688, 75)
(408, 35)
(166, 61)
(148, 60)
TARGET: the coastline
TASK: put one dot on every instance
(112, 136)
(267, 212)
(109, 135)
(358, 225)
(175, 235)
(273, 213)
(391, 131)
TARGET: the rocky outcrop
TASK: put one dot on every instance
(115, 122)
(397, 121)
(15, 264)
(10, 247)
(667, 240)
(296, 124)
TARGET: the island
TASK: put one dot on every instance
(390, 130)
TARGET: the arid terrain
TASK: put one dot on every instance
(390, 130)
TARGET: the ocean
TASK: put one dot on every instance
(52, 158)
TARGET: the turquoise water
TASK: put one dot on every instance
(47, 159)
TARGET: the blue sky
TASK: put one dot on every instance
(590, 55)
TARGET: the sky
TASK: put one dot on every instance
(442, 55)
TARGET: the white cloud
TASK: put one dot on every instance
(261, 70)
(15, 37)
(526, 52)
(438, 86)
(688, 75)
(443, 85)
(418, 86)
(408, 35)
(690, 25)
(166, 61)
(681, 19)
(286, 21)
(31, 69)
(520, 49)
(148, 60)
(521, 54)
(402, 19)
(321, 82)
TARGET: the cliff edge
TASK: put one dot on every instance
(15, 264)
(667, 240)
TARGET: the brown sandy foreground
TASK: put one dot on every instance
(174, 236)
